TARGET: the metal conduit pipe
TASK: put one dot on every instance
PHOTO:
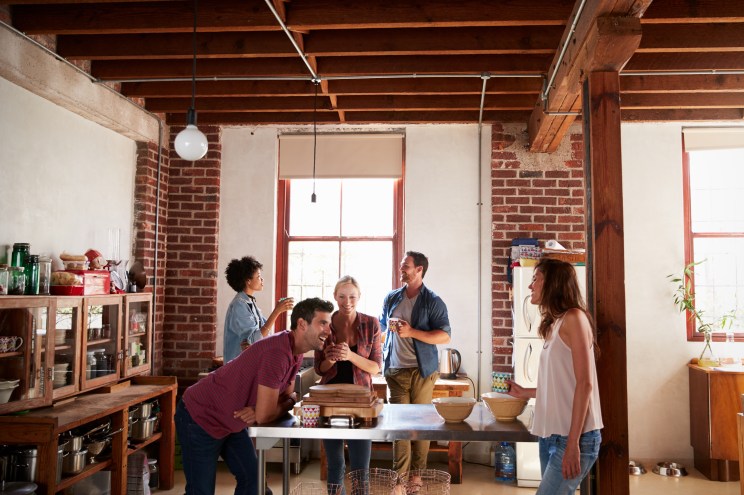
(571, 31)
(292, 40)
(479, 307)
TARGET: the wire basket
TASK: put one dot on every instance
(316, 488)
(426, 482)
(374, 481)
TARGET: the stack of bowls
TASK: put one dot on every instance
(6, 389)
(61, 374)
(60, 337)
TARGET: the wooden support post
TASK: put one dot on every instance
(606, 295)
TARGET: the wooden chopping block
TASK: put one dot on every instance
(339, 389)
(339, 401)
(363, 400)
(361, 412)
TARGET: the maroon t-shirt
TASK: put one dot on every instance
(212, 401)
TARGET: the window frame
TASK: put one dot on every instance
(283, 238)
(692, 334)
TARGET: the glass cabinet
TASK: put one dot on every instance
(101, 351)
(25, 363)
(67, 349)
(137, 336)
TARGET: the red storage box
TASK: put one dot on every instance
(95, 282)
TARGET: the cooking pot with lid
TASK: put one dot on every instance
(142, 428)
(74, 462)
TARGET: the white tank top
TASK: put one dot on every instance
(556, 384)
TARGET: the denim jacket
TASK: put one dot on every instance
(429, 313)
(243, 321)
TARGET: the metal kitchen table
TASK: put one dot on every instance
(396, 422)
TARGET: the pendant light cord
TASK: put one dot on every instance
(313, 197)
(193, 67)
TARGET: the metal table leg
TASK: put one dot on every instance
(285, 466)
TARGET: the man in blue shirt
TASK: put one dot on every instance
(414, 320)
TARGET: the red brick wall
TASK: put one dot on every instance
(539, 196)
(190, 329)
(145, 194)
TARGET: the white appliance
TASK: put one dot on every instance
(527, 347)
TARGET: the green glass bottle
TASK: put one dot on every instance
(32, 274)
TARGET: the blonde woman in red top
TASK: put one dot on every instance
(352, 354)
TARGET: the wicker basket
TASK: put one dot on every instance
(373, 481)
(426, 482)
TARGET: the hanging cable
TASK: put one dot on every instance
(313, 197)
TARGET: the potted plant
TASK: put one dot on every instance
(684, 300)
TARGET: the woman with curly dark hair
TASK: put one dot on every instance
(244, 322)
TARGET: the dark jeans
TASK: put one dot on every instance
(200, 452)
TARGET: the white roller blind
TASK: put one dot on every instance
(713, 138)
(341, 156)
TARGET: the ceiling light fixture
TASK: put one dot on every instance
(313, 197)
(191, 143)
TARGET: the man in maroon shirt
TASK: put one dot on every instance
(255, 387)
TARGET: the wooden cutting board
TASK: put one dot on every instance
(339, 401)
(339, 390)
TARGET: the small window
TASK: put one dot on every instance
(715, 231)
(354, 229)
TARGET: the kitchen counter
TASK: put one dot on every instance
(396, 422)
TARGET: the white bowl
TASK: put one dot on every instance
(5, 394)
(453, 409)
(8, 383)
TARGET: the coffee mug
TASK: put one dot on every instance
(499, 382)
(10, 344)
(394, 324)
(310, 415)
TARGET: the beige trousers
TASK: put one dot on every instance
(407, 387)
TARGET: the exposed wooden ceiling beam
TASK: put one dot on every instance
(685, 83)
(447, 64)
(687, 62)
(699, 11)
(682, 100)
(606, 44)
(682, 115)
(675, 38)
(332, 14)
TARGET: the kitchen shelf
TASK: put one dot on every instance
(137, 334)
(42, 427)
(89, 469)
(141, 445)
(98, 342)
(10, 354)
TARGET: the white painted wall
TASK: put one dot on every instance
(658, 351)
(65, 180)
(441, 216)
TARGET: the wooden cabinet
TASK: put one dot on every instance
(43, 427)
(58, 346)
(137, 333)
(714, 404)
(25, 355)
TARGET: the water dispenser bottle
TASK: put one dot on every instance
(506, 463)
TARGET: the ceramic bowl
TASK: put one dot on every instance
(5, 394)
(453, 409)
(8, 383)
(504, 408)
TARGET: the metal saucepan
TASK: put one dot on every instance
(142, 429)
(73, 444)
(144, 410)
(74, 462)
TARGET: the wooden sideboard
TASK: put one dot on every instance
(714, 404)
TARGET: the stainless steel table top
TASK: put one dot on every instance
(406, 422)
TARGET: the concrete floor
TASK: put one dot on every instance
(478, 480)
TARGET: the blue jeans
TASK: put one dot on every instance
(360, 452)
(552, 449)
(200, 452)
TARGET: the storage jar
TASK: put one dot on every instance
(16, 281)
(3, 280)
(20, 251)
(32, 275)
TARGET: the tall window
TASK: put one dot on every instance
(715, 230)
(354, 229)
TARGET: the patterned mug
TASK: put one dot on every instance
(499, 381)
(10, 344)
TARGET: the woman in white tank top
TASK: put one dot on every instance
(567, 418)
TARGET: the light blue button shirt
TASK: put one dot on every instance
(243, 321)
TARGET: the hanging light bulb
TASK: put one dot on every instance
(313, 197)
(191, 144)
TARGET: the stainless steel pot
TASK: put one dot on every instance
(23, 465)
(60, 456)
(73, 444)
(143, 411)
(142, 429)
(74, 462)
